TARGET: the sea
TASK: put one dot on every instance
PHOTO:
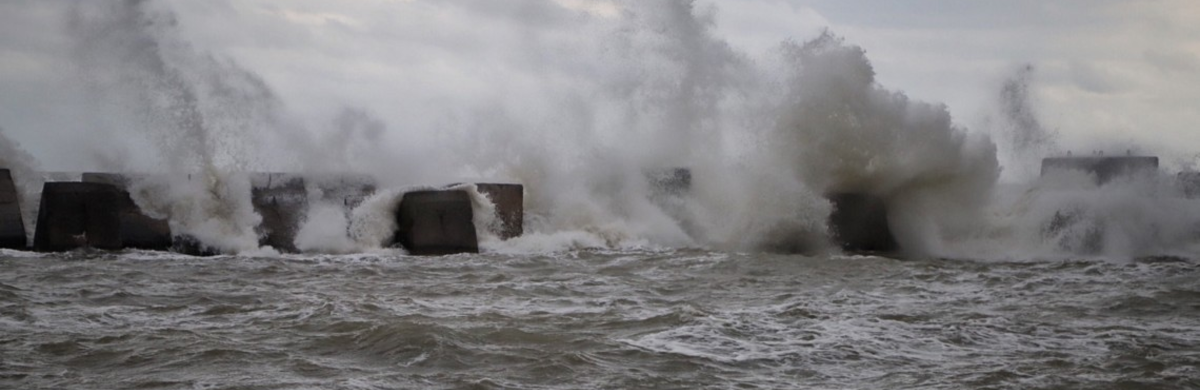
(595, 319)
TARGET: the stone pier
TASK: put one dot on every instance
(75, 215)
(12, 225)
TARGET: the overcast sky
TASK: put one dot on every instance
(1107, 74)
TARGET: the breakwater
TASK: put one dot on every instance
(115, 211)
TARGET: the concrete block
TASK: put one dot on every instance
(671, 181)
(76, 214)
(510, 206)
(61, 176)
(12, 226)
(1189, 183)
(138, 230)
(1106, 168)
(282, 201)
(436, 223)
(349, 190)
(119, 180)
(189, 245)
(859, 223)
(1076, 231)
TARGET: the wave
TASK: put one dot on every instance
(599, 102)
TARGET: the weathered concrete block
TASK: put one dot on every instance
(1105, 168)
(1189, 183)
(75, 214)
(859, 222)
(1077, 231)
(282, 202)
(509, 200)
(119, 180)
(138, 230)
(349, 190)
(190, 245)
(672, 181)
(12, 226)
(436, 223)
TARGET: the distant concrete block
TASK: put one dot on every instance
(12, 226)
(509, 200)
(672, 181)
(190, 245)
(75, 214)
(859, 222)
(1076, 231)
(348, 190)
(119, 180)
(138, 230)
(282, 201)
(1189, 183)
(1106, 168)
(436, 223)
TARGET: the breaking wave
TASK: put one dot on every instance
(612, 98)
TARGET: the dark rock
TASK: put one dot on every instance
(859, 223)
(509, 200)
(74, 215)
(138, 230)
(436, 223)
(12, 226)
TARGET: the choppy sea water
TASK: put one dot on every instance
(594, 319)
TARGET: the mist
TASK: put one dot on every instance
(578, 101)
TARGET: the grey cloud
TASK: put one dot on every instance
(1172, 60)
(1096, 79)
(962, 15)
(400, 58)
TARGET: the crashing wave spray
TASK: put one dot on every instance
(844, 133)
(210, 121)
(372, 225)
(1069, 214)
(590, 103)
(658, 90)
(1053, 213)
(23, 168)
(1022, 138)
(200, 115)
(664, 84)
(766, 145)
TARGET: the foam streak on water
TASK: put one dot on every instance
(630, 319)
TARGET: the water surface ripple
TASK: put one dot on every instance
(604, 320)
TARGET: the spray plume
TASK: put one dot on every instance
(581, 109)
